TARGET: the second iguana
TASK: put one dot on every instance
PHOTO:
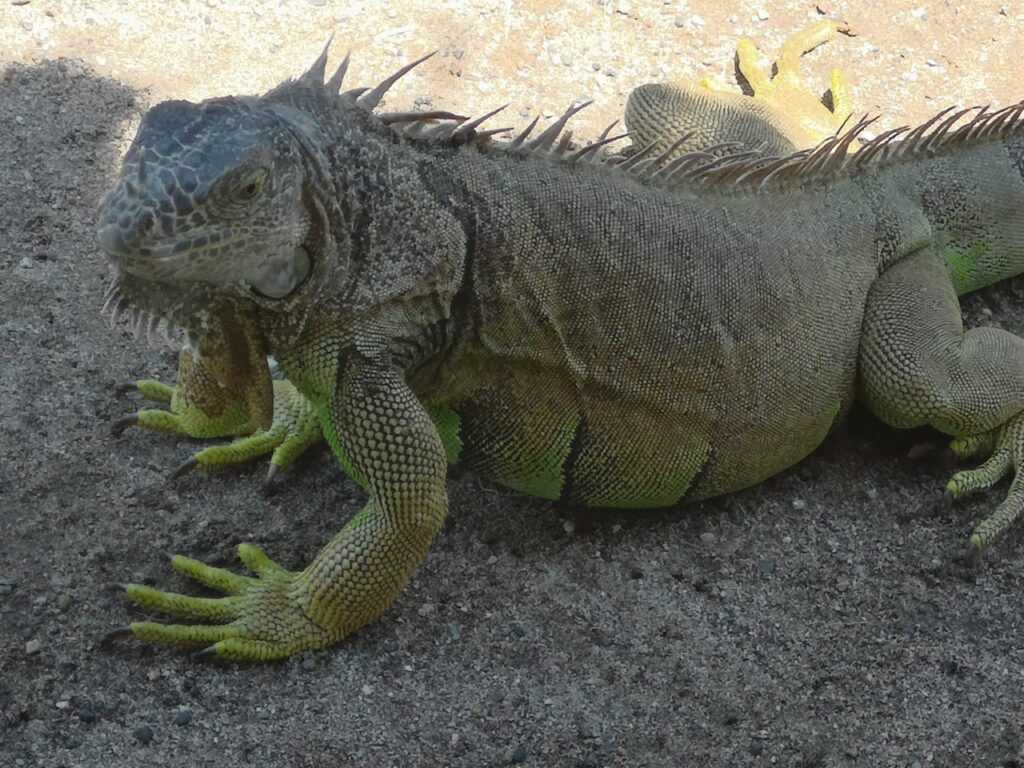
(627, 334)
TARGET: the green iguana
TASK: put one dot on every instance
(607, 332)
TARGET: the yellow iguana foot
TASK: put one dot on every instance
(787, 93)
(294, 427)
(261, 619)
(1005, 450)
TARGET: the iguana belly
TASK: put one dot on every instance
(539, 432)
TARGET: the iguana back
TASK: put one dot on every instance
(626, 356)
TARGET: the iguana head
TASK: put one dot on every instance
(211, 193)
(237, 199)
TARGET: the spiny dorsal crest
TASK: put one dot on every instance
(739, 168)
(443, 126)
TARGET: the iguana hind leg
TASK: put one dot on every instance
(919, 367)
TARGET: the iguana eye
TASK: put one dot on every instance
(250, 186)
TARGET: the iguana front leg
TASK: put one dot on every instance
(224, 389)
(386, 440)
(918, 367)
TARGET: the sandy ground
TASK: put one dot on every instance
(817, 620)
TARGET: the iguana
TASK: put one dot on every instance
(625, 333)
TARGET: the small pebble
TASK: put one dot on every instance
(143, 734)
(32, 647)
(183, 717)
(799, 504)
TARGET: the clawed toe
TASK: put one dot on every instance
(184, 468)
(120, 425)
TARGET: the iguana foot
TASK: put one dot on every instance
(294, 428)
(261, 619)
(1004, 448)
(787, 93)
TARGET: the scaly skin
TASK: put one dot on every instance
(658, 113)
(781, 116)
(577, 330)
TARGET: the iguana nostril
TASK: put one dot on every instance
(126, 231)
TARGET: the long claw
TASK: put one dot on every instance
(124, 387)
(208, 652)
(184, 468)
(269, 486)
(118, 633)
(119, 426)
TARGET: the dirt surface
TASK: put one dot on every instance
(817, 620)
